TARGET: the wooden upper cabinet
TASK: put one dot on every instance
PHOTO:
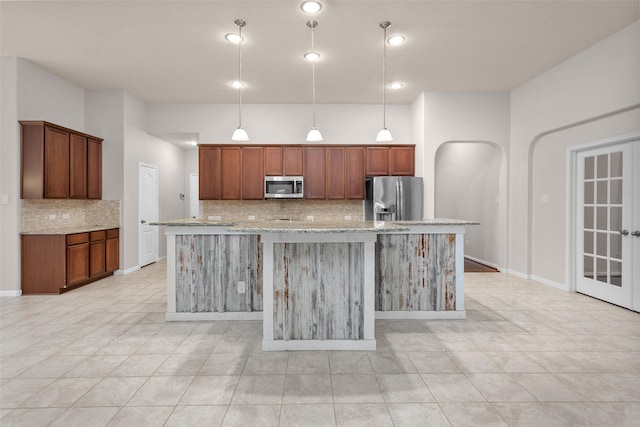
(252, 173)
(402, 160)
(56, 163)
(293, 163)
(273, 161)
(59, 163)
(94, 168)
(314, 173)
(377, 161)
(335, 173)
(330, 171)
(77, 166)
(355, 172)
(209, 170)
(231, 173)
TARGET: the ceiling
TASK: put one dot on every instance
(175, 51)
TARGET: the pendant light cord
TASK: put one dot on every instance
(240, 25)
(313, 25)
(384, 26)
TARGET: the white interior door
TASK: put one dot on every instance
(148, 213)
(605, 229)
(194, 198)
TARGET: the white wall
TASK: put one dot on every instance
(550, 179)
(578, 92)
(31, 94)
(9, 186)
(190, 166)
(280, 124)
(142, 147)
(467, 183)
(469, 117)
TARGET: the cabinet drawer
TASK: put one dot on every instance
(98, 235)
(114, 232)
(74, 239)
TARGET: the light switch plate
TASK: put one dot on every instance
(309, 217)
(252, 217)
(52, 216)
(241, 287)
(5, 199)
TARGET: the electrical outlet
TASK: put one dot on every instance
(65, 216)
(210, 217)
(241, 287)
(5, 199)
(217, 217)
(347, 217)
(309, 217)
(52, 216)
(252, 217)
(544, 198)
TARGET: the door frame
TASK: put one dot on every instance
(151, 166)
(572, 200)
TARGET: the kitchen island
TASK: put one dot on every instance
(315, 285)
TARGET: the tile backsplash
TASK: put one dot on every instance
(35, 214)
(321, 210)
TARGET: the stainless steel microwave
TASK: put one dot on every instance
(283, 187)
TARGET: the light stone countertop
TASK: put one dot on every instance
(70, 230)
(301, 226)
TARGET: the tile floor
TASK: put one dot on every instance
(528, 355)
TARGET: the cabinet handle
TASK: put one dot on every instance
(636, 233)
(142, 221)
(624, 232)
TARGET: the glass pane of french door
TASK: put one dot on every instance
(604, 210)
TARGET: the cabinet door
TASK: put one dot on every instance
(335, 172)
(112, 254)
(231, 173)
(77, 263)
(97, 260)
(94, 169)
(252, 173)
(209, 173)
(56, 164)
(314, 173)
(377, 161)
(401, 161)
(293, 163)
(355, 172)
(77, 166)
(273, 161)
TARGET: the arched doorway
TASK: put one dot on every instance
(470, 183)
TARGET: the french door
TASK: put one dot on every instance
(607, 226)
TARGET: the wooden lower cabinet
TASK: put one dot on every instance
(53, 264)
(112, 250)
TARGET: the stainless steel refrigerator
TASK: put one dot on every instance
(393, 198)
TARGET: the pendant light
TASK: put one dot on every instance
(314, 134)
(384, 135)
(240, 134)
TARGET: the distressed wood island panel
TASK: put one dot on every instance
(208, 269)
(416, 272)
(318, 291)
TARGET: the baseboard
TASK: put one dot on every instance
(11, 293)
(551, 283)
(421, 315)
(127, 271)
(487, 263)
(517, 274)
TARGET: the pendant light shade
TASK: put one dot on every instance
(314, 134)
(384, 135)
(240, 134)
